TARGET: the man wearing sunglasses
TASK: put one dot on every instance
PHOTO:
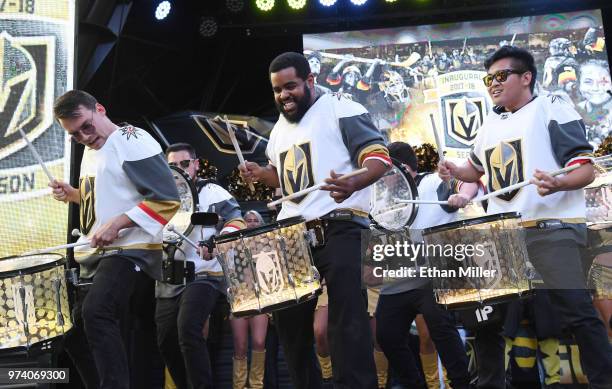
(182, 311)
(126, 196)
(525, 137)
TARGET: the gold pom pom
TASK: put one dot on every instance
(240, 190)
(605, 147)
(427, 157)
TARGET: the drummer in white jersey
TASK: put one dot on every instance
(321, 136)
(126, 196)
(525, 137)
(401, 300)
(181, 312)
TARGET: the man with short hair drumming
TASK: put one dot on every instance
(525, 137)
(320, 136)
(126, 196)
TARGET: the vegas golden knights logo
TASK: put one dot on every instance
(505, 167)
(26, 88)
(464, 116)
(87, 202)
(296, 168)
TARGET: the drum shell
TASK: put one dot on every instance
(34, 304)
(268, 268)
(385, 211)
(505, 251)
(598, 201)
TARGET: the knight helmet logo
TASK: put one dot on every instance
(464, 116)
(296, 168)
(26, 89)
(488, 261)
(504, 164)
(269, 274)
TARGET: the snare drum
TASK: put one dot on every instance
(268, 268)
(181, 220)
(33, 300)
(499, 248)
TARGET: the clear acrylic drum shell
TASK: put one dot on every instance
(502, 239)
(385, 211)
(189, 204)
(260, 277)
(598, 199)
(43, 305)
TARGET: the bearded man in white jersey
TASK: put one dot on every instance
(527, 137)
(317, 138)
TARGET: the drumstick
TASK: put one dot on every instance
(313, 188)
(439, 202)
(523, 183)
(232, 136)
(172, 229)
(55, 248)
(437, 138)
(36, 155)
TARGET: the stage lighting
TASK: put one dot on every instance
(208, 27)
(358, 2)
(162, 10)
(265, 5)
(235, 5)
(296, 4)
(327, 3)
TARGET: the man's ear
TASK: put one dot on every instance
(100, 109)
(310, 80)
(527, 76)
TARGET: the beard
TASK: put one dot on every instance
(302, 107)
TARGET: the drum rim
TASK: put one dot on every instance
(415, 196)
(471, 222)
(250, 232)
(59, 261)
(196, 202)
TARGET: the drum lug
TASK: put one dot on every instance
(230, 296)
(72, 277)
(57, 285)
(291, 280)
(316, 276)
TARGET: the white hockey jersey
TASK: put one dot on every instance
(546, 134)
(334, 134)
(128, 175)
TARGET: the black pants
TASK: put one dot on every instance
(556, 262)
(180, 321)
(489, 348)
(350, 338)
(100, 312)
(395, 313)
(76, 345)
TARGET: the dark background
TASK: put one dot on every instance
(154, 68)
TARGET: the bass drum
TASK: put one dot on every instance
(386, 208)
(189, 204)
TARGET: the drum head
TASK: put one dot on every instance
(189, 204)
(385, 209)
(12, 265)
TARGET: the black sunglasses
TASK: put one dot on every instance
(184, 164)
(500, 76)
